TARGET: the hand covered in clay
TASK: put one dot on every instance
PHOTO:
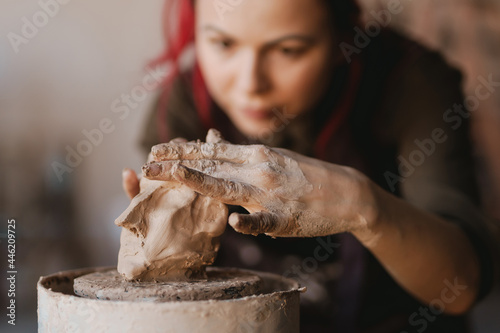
(130, 181)
(286, 194)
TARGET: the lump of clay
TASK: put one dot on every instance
(169, 233)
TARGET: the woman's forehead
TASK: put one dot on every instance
(262, 19)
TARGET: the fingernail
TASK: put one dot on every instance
(125, 172)
(234, 220)
(155, 150)
(151, 170)
(161, 150)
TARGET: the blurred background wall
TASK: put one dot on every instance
(467, 33)
(81, 72)
(59, 80)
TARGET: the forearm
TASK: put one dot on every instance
(422, 252)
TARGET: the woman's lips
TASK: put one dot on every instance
(258, 114)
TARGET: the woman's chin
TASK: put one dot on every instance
(253, 130)
(253, 127)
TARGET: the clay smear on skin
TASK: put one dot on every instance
(277, 180)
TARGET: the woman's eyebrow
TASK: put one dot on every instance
(303, 38)
(211, 27)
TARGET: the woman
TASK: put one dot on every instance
(368, 193)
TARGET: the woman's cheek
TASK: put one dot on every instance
(215, 77)
(297, 87)
(307, 82)
(220, 84)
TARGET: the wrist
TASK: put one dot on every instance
(369, 211)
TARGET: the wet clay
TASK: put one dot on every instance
(220, 284)
(170, 233)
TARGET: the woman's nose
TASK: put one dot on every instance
(253, 78)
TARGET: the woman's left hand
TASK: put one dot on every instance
(287, 194)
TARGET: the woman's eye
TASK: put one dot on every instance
(291, 51)
(223, 44)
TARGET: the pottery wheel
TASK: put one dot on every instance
(220, 284)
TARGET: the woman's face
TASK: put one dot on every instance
(264, 60)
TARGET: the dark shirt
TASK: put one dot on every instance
(395, 97)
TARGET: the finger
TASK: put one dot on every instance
(214, 136)
(158, 171)
(130, 182)
(219, 169)
(201, 151)
(174, 141)
(255, 223)
(227, 191)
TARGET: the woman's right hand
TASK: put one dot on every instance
(130, 182)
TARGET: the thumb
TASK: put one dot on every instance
(130, 182)
(256, 223)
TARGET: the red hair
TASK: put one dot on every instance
(179, 30)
